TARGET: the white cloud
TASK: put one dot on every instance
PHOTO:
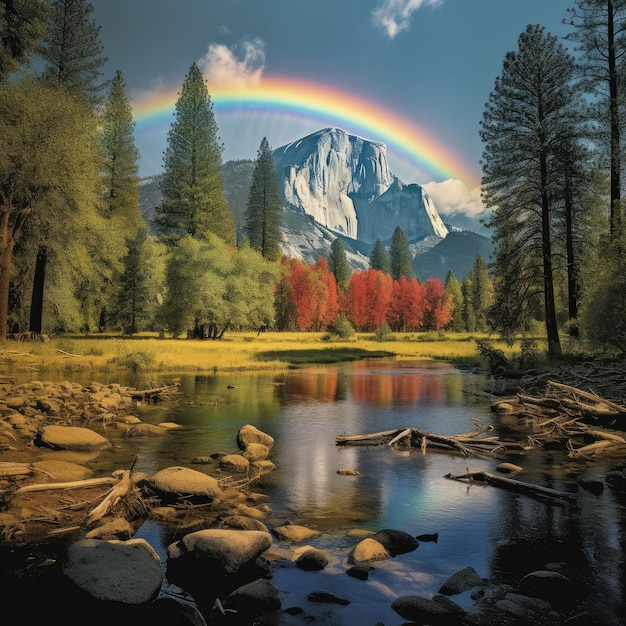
(239, 66)
(394, 16)
(452, 197)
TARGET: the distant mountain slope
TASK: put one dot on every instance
(456, 252)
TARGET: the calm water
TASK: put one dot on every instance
(494, 531)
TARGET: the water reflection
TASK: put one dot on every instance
(496, 532)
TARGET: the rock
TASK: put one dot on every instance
(523, 606)
(121, 571)
(428, 537)
(250, 434)
(182, 481)
(72, 438)
(440, 611)
(461, 581)
(596, 487)
(227, 549)
(328, 597)
(242, 522)
(170, 611)
(550, 586)
(312, 559)
(294, 533)
(235, 463)
(146, 430)
(117, 528)
(361, 572)
(369, 550)
(255, 452)
(347, 472)
(256, 598)
(396, 541)
(62, 471)
(263, 467)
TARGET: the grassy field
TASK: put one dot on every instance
(235, 352)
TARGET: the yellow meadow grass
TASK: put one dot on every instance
(235, 352)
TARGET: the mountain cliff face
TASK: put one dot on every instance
(344, 183)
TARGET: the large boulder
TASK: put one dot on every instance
(439, 611)
(128, 572)
(251, 434)
(396, 541)
(72, 438)
(181, 481)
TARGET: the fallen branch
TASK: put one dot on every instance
(76, 484)
(120, 489)
(151, 393)
(513, 485)
(66, 353)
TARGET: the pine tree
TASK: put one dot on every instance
(192, 184)
(531, 112)
(264, 210)
(600, 31)
(379, 258)
(22, 26)
(72, 51)
(338, 264)
(455, 296)
(120, 170)
(481, 292)
(400, 255)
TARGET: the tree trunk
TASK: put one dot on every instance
(36, 301)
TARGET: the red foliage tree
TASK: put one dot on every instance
(406, 309)
(437, 305)
(325, 295)
(368, 298)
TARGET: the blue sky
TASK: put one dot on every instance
(432, 62)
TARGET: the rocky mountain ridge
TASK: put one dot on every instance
(337, 185)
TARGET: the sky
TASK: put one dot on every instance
(412, 74)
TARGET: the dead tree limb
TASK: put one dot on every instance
(513, 485)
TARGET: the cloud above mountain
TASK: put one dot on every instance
(452, 197)
(239, 66)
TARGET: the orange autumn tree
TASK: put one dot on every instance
(437, 305)
(368, 298)
(326, 300)
(306, 296)
(406, 309)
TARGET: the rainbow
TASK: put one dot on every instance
(329, 106)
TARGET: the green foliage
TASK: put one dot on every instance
(48, 182)
(401, 261)
(212, 285)
(379, 258)
(342, 328)
(455, 294)
(22, 26)
(265, 205)
(496, 360)
(134, 361)
(192, 185)
(384, 332)
(72, 51)
(338, 264)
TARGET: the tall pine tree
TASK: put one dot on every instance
(72, 60)
(264, 211)
(379, 258)
(528, 117)
(338, 264)
(192, 184)
(72, 50)
(400, 255)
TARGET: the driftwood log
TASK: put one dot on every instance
(514, 485)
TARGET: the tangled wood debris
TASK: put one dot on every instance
(472, 443)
